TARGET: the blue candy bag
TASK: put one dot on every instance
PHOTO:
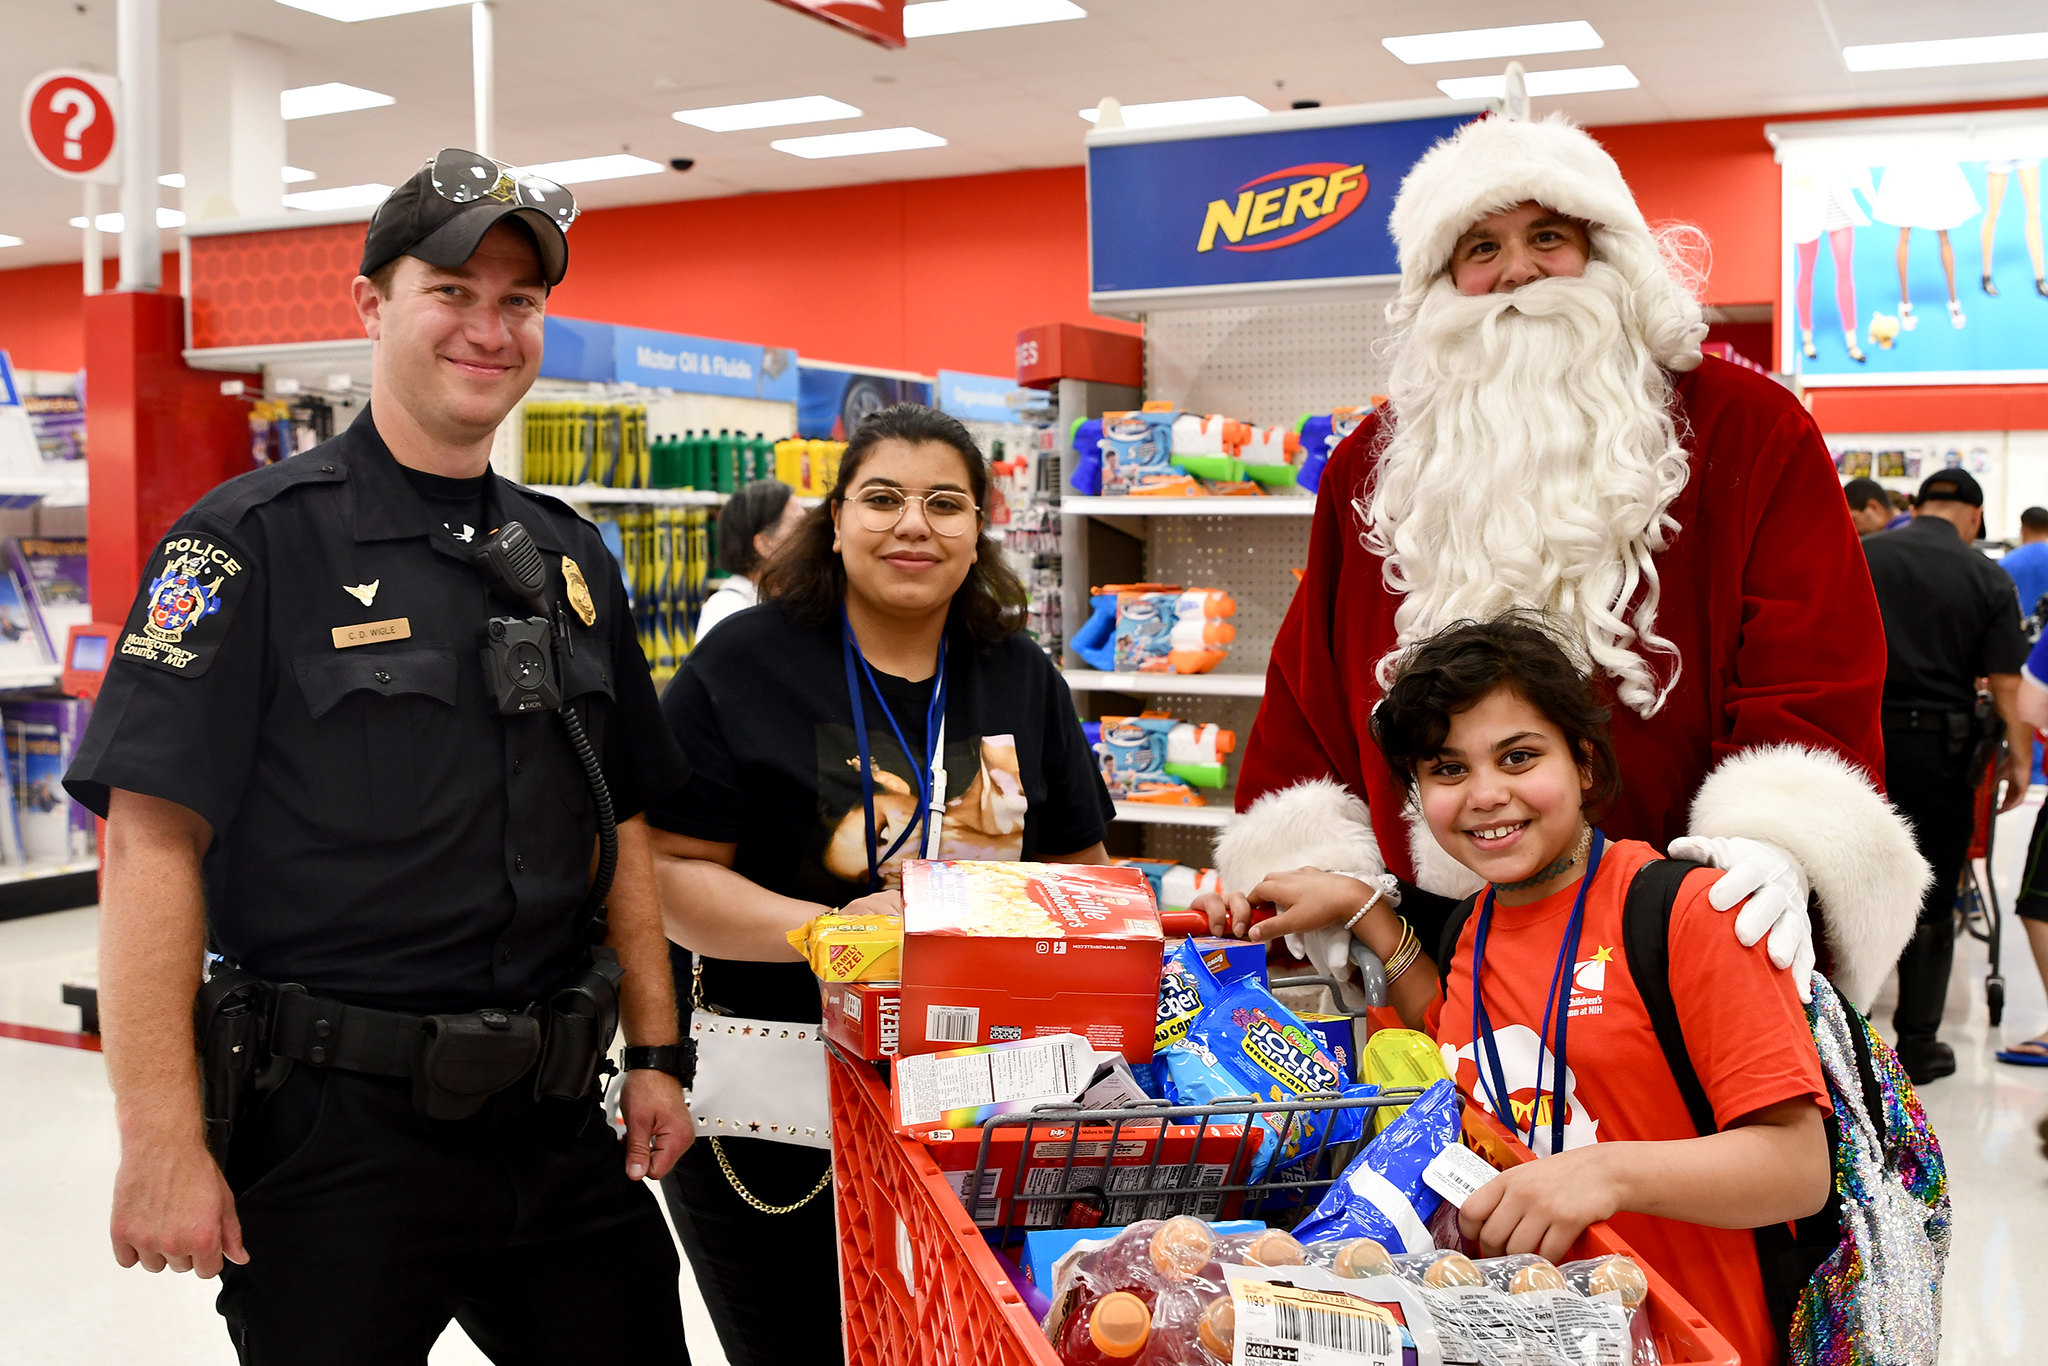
(1245, 1042)
(1381, 1194)
(1186, 987)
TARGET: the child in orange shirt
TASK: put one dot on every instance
(1506, 753)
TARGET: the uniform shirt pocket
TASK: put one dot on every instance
(375, 710)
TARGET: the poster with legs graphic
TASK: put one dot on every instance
(1887, 301)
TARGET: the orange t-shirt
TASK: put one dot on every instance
(1744, 1029)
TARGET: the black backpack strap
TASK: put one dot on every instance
(1447, 946)
(1786, 1258)
(1646, 937)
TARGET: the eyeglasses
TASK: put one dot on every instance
(464, 177)
(945, 512)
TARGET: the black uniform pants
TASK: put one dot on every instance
(370, 1226)
(771, 1281)
(1936, 793)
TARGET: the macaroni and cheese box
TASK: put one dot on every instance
(1188, 1157)
(864, 1018)
(994, 952)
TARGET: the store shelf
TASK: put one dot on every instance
(1151, 813)
(43, 676)
(34, 888)
(1287, 505)
(33, 872)
(69, 493)
(1176, 685)
(604, 495)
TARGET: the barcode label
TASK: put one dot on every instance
(951, 1024)
(983, 1206)
(1278, 1322)
(1339, 1332)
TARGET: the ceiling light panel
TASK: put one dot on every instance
(733, 118)
(2010, 47)
(338, 197)
(858, 144)
(111, 222)
(6, 241)
(939, 17)
(311, 101)
(582, 170)
(355, 11)
(1577, 80)
(1168, 112)
(1475, 44)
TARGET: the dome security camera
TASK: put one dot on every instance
(681, 163)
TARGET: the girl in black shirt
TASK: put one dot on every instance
(889, 607)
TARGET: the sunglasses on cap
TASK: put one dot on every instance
(465, 177)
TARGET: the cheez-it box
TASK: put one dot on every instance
(994, 952)
(863, 1018)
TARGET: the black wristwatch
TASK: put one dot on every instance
(679, 1060)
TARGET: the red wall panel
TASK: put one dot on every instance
(42, 313)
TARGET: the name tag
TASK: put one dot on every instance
(370, 632)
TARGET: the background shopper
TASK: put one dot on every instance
(303, 767)
(891, 585)
(2027, 562)
(1870, 507)
(759, 518)
(1950, 618)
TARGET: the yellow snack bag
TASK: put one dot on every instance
(852, 948)
(1400, 1057)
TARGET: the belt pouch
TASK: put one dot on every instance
(467, 1059)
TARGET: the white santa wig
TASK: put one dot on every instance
(1492, 165)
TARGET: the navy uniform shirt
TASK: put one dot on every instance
(303, 668)
(1950, 616)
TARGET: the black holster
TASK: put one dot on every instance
(466, 1059)
(231, 1016)
(582, 1019)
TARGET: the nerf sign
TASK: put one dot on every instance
(1289, 202)
(1318, 196)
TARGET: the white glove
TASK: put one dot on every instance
(1775, 886)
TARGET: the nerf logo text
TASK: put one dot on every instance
(1310, 198)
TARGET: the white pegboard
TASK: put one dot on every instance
(1268, 365)
(1251, 558)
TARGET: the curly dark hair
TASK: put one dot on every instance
(808, 576)
(1453, 669)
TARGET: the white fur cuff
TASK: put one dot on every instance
(1313, 824)
(1857, 850)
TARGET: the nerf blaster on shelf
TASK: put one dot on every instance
(1154, 757)
(1174, 631)
(1320, 434)
(1175, 885)
(1095, 642)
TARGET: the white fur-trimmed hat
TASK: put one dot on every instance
(1496, 163)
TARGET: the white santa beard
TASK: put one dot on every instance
(1532, 461)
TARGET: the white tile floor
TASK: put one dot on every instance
(63, 1300)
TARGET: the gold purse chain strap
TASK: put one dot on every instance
(732, 1178)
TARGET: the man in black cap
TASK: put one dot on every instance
(1950, 619)
(375, 743)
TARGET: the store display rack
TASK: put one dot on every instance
(1166, 685)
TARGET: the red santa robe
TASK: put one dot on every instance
(1772, 731)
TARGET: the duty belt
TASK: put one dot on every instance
(1938, 720)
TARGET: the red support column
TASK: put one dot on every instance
(158, 435)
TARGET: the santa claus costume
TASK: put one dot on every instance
(1565, 446)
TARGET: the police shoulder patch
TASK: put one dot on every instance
(193, 582)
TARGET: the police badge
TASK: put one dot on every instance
(579, 592)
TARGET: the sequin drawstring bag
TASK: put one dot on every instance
(1876, 1299)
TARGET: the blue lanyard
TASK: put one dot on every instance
(921, 774)
(1558, 1006)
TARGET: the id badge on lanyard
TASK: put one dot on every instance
(1486, 1055)
(930, 776)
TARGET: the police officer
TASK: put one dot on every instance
(1950, 618)
(307, 767)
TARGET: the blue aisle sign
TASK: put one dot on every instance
(9, 395)
(986, 398)
(703, 365)
(1293, 201)
(574, 349)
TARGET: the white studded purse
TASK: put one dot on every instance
(759, 1079)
